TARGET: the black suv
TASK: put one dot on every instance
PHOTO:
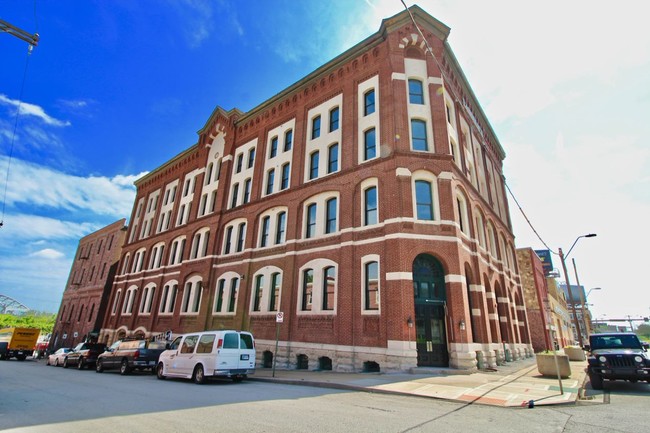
(131, 354)
(84, 354)
(617, 356)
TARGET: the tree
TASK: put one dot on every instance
(643, 331)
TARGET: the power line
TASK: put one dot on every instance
(32, 40)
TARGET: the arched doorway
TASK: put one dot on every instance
(430, 306)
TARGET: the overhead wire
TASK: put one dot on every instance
(13, 135)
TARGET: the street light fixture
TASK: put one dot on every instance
(568, 284)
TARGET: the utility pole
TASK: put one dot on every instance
(31, 39)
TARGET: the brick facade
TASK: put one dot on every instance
(533, 282)
(83, 305)
(332, 239)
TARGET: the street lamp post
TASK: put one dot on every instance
(582, 300)
(568, 284)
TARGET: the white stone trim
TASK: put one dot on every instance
(502, 300)
(493, 317)
(476, 288)
(446, 175)
(454, 278)
(402, 172)
(476, 312)
(490, 295)
(399, 276)
(435, 80)
(503, 319)
(398, 76)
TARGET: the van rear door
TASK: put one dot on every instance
(228, 358)
(246, 351)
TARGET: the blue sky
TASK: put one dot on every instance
(116, 88)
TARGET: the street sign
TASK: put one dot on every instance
(279, 318)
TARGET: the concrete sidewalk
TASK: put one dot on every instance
(512, 385)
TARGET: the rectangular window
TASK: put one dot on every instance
(280, 228)
(313, 165)
(307, 287)
(241, 236)
(240, 160)
(369, 102)
(220, 294)
(196, 300)
(370, 213)
(264, 236)
(423, 200)
(275, 291)
(330, 224)
(416, 93)
(274, 147)
(334, 119)
(288, 140)
(259, 285)
(235, 193)
(419, 135)
(371, 286)
(234, 285)
(370, 149)
(270, 179)
(251, 157)
(226, 248)
(286, 170)
(311, 221)
(333, 158)
(329, 288)
(315, 127)
(247, 190)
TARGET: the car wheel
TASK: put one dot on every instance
(65, 363)
(596, 381)
(56, 362)
(160, 370)
(47, 362)
(98, 366)
(199, 375)
(80, 364)
(124, 367)
(238, 378)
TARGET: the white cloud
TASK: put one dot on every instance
(42, 186)
(32, 110)
(33, 227)
(48, 253)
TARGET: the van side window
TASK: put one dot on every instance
(189, 343)
(246, 341)
(205, 344)
(176, 343)
(231, 341)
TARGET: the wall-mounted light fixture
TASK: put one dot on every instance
(461, 325)
(409, 322)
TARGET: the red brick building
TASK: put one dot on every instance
(533, 281)
(89, 285)
(365, 202)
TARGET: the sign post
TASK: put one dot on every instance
(279, 318)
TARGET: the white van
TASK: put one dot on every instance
(200, 355)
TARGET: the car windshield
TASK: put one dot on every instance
(615, 342)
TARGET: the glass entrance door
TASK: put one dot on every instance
(430, 312)
(430, 335)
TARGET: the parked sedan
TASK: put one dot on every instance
(57, 357)
(84, 354)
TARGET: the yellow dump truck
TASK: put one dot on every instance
(17, 342)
